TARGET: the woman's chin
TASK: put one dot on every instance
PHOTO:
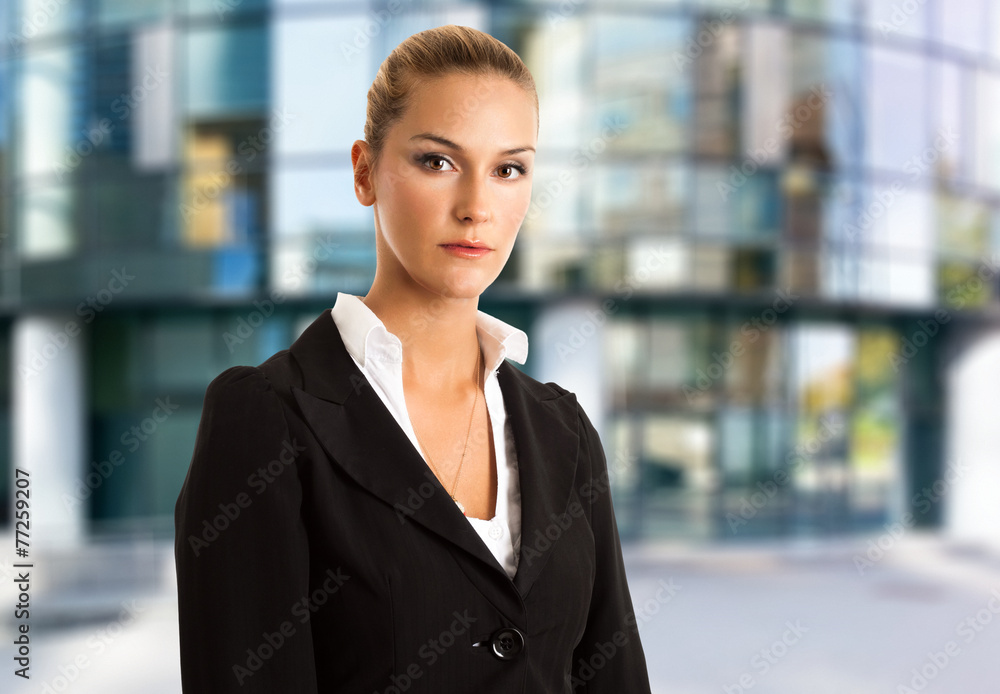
(465, 286)
(464, 291)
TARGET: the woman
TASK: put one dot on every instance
(388, 505)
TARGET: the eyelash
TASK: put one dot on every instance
(512, 164)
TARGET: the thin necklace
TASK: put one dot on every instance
(458, 476)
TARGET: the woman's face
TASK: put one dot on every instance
(457, 167)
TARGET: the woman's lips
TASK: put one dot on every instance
(465, 251)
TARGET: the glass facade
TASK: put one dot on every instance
(771, 194)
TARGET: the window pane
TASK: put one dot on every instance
(132, 11)
(667, 359)
(281, 4)
(964, 226)
(6, 84)
(656, 262)
(713, 191)
(226, 70)
(407, 23)
(45, 222)
(741, 206)
(121, 212)
(638, 83)
(898, 108)
(321, 75)
(735, 6)
(822, 117)
(987, 149)
(34, 19)
(323, 263)
(316, 200)
(223, 192)
(803, 234)
(899, 252)
(893, 18)
(876, 427)
(152, 94)
(993, 29)
(832, 10)
(557, 194)
(220, 9)
(754, 347)
(961, 283)
(951, 110)
(716, 73)
(767, 76)
(847, 225)
(323, 237)
(180, 352)
(823, 387)
(961, 23)
(640, 198)
(556, 53)
(624, 338)
(50, 144)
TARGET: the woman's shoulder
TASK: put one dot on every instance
(546, 390)
(550, 390)
(569, 405)
(244, 384)
(276, 371)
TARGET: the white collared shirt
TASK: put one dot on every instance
(379, 355)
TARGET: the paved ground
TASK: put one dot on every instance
(808, 620)
(769, 619)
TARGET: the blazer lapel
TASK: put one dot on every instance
(360, 435)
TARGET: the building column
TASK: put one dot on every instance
(568, 343)
(970, 476)
(49, 423)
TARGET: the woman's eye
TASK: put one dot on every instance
(512, 168)
(434, 158)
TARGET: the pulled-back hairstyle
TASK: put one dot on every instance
(431, 54)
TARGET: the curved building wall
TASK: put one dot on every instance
(765, 217)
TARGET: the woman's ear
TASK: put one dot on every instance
(364, 187)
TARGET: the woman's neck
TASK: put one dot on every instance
(439, 336)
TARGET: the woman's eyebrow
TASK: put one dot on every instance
(458, 148)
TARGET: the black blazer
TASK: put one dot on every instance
(317, 553)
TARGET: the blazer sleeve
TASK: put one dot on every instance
(241, 549)
(609, 658)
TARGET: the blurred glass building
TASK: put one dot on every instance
(762, 243)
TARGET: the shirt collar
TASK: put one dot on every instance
(366, 337)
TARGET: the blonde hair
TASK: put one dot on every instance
(431, 54)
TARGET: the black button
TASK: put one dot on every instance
(507, 643)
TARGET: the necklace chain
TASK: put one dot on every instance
(461, 463)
